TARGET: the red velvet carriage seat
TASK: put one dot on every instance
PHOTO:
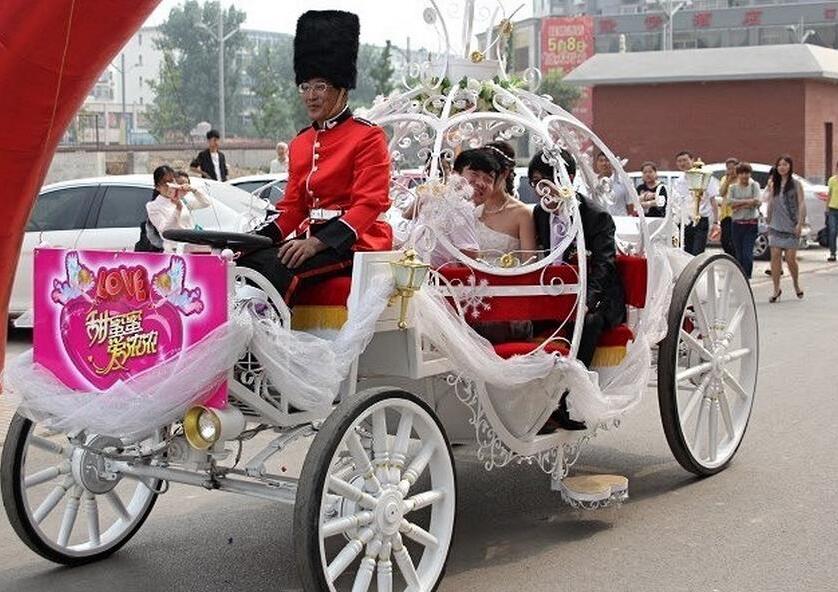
(323, 306)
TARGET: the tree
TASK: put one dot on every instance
(382, 72)
(277, 111)
(167, 116)
(564, 95)
(191, 75)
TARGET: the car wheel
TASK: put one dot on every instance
(761, 250)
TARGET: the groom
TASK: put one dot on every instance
(605, 300)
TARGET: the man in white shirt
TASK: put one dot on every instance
(280, 163)
(211, 161)
(695, 233)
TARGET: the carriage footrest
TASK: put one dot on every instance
(591, 492)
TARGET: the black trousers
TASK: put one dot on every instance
(695, 236)
(594, 326)
(727, 236)
(324, 265)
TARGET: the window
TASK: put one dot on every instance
(140, 60)
(521, 59)
(63, 209)
(274, 193)
(123, 207)
(140, 39)
(141, 82)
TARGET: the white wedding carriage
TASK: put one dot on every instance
(379, 374)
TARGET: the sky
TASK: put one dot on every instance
(395, 20)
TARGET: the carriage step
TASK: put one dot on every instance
(591, 492)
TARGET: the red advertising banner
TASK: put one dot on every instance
(566, 42)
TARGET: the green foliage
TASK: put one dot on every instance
(382, 72)
(564, 95)
(277, 111)
(187, 90)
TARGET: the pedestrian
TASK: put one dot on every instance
(725, 213)
(832, 213)
(211, 161)
(280, 163)
(652, 192)
(172, 203)
(695, 232)
(786, 213)
(743, 199)
(618, 194)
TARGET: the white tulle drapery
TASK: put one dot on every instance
(132, 408)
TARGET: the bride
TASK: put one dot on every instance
(504, 225)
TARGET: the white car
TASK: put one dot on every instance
(268, 186)
(106, 213)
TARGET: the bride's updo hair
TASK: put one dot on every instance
(504, 153)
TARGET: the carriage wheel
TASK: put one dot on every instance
(708, 363)
(58, 500)
(376, 498)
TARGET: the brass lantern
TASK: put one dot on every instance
(698, 178)
(409, 274)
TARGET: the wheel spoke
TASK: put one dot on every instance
(727, 416)
(693, 372)
(91, 508)
(416, 467)
(341, 525)
(724, 299)
(423, 500)
(418, 534)
(736, 354)
(45, 475)
(700, 316)
(400, 446)
(364, 576)
(379, 444)
(362, 462)
(348, 554)
(702, 413)
(696, 345)
(384, 578)
(713, 431)
(711, 298)
(733, 326)
(351, 492)
(405, 563)
(734, 384)
(46, 445)
(695, 398)
(117, 505)
(55, 496)
(69, 518)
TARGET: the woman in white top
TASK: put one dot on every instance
(173, 202)
(504, 224)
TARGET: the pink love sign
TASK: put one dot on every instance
(101, 317)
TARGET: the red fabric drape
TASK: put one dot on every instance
(51, 53)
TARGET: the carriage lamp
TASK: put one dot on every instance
(204, 426)
(697, 179)
(409, 274)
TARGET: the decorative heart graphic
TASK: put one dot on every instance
(87, 357)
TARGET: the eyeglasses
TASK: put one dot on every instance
(317, 88)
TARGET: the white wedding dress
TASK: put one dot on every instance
(494, 244)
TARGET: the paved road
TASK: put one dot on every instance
(767, 523)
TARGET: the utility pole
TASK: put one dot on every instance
(123, 119)
(221, 39)
(670, 9)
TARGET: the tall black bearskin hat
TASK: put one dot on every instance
(326, 46)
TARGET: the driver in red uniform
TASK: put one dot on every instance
(339, 167)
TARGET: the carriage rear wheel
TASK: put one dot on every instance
(60, 503)
(708, 364)
(376, 498)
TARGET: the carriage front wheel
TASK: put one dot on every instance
(376, 498)
(59, 500)
(708, 364)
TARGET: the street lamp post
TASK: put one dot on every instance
(122, 72)
(670, 8)
(221, 39)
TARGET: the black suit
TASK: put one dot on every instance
(605, 299)
(205, 164)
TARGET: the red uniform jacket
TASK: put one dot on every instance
(342, 166)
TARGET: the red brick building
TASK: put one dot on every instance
(754, 103)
